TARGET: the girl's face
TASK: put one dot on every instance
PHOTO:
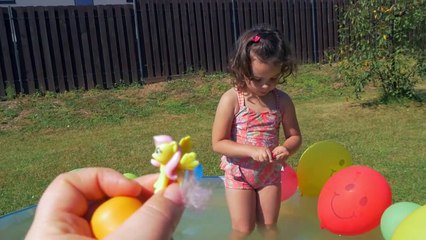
(265, 77)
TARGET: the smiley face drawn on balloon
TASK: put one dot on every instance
(346, 203)
(342, 164)
(353, 200)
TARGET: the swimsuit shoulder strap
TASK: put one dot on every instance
(240, 95)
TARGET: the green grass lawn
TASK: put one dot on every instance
(42, 136)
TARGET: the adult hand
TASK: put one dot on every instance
(66, 205)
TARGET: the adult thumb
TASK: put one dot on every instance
(156, 219)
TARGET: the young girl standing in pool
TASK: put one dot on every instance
(246, 129)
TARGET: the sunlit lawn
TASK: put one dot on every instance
(42, 136)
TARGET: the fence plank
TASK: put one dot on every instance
(84, 38)
(215, 35)
(192, 35)
(205, 11)
(47, 57)
(278, 15)
(198, 10)
(228, 30)
(309, 27)
(330, 24)
(57, 67)
(272, 12)
(27, 67)
(4, 50)
(113, 45)
(222, 34)
(121, 42)
(325, 25)
(335, 22)
(94, 43)
(147, 35)
(76, 50)
(40, 83)
(170, 36)
(5, 47)
(177, 27)
(256, 7)
(286, 21)
(64, 36)
(303, 31)
(103, 41)
(155, 34)
(186, 37)
(266, 14)
(249, 18)
(320, 30)
(131, 43)
(163, 38)
(297, 28)
(291, 30)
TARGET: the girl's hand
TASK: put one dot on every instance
(261, 154)
(281, 154)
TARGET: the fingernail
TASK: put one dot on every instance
(174, 193)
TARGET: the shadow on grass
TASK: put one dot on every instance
(418, 101)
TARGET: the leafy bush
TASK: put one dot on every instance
(383, 42)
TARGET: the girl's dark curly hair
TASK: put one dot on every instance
(265, 43)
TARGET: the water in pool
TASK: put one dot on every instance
(298, 221)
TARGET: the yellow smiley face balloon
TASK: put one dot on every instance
(318, 163)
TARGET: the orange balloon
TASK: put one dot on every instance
(112, 213)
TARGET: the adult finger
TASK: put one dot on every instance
(147, 184)
(71, 191)
(156, 219)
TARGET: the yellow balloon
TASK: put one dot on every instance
(318, 163)
(413, 227)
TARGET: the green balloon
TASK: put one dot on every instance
(130, 175)
(394, 215)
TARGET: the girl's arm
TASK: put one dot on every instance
(221, 132)
(293, 136)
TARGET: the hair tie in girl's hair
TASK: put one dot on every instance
(256, 39)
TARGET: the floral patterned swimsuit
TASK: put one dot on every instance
(258, 129)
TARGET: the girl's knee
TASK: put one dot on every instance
(267, 226)
(264, 228)
(244, 229)
(269, 231)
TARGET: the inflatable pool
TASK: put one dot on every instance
(298, 220)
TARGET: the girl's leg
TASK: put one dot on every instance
(269, 203)
(242, 209)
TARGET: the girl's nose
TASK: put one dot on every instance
(266, 85)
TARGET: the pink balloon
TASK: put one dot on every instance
(353, 200)
(288, 182)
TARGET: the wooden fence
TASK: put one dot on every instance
(64, 48)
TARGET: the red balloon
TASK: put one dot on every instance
(288, 182)
(353, 200)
